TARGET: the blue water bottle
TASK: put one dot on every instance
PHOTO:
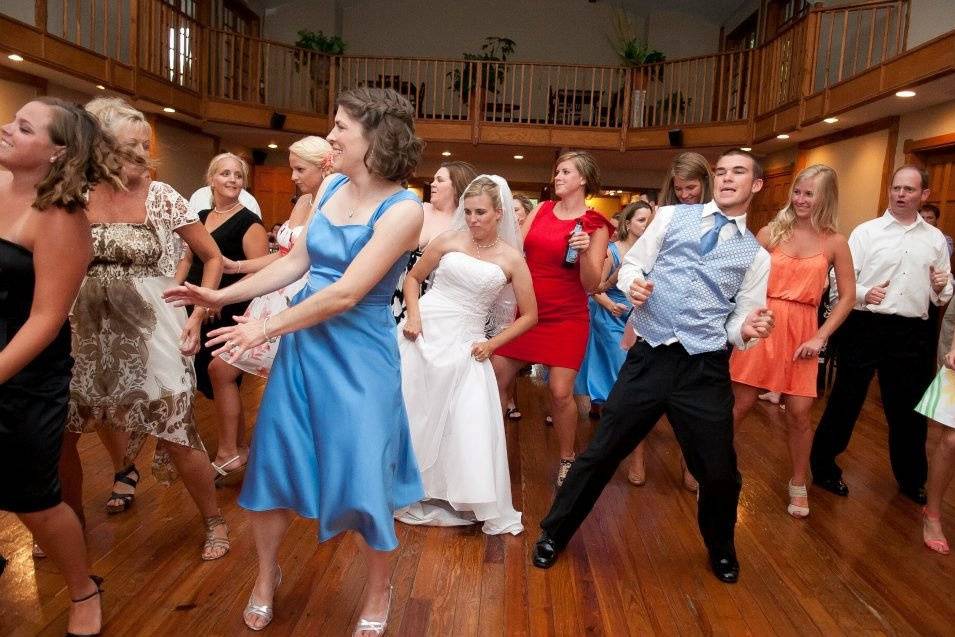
(570, 257)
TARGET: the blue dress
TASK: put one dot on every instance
(598, 371)
(332, 439)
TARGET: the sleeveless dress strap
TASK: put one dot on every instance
(388, 202)
(338, 182)
(615, 253)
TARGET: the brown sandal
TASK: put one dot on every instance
(215, 547)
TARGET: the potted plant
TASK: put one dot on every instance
(464, 80)
(328, 44)
(634, 51)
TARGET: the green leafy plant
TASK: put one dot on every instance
(328, 44)
(632, 49)
(494, 49)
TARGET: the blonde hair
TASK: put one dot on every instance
(625, 215)
(825, 214)
(214, 168)
(313, 149)
(113, 112)
(687, 166)
(483, 186)
(586, 165)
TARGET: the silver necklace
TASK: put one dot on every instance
(227, 210)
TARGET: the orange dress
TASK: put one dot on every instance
(793, 294)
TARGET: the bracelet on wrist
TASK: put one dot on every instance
(265, 331)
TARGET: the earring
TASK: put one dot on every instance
(53, 159)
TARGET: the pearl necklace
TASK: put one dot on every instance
(486, 246)
(227, 210)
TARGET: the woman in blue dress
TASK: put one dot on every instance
(608, 314)
(332, 440)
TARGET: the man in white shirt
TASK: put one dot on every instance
(902, 267)
(202, 200)
(711, 277)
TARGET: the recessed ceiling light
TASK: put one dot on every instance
(905, 93)
(518, 156)
(15, 57)
(169, 109)
(746, 148)
(782, 136)
(101, 87)
(831, 120)
(273, 145)
(446, 153)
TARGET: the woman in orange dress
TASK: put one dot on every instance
(803, 244)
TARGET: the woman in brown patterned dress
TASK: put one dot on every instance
(133, 376)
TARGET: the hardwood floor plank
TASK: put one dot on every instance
(637, 566)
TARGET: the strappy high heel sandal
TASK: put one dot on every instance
(99, 591)
(797, 510)
(377, 627)
(125, 476)
(265, 611)
(215, 547)
(224, 477)
(939, 545)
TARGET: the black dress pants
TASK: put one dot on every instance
(901, 351)
(695, 394)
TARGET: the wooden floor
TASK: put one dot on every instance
(637, 567)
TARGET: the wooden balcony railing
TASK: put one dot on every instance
(815, 51)
(168, 43)
(265, 73)
(853, 39)
(97, 25)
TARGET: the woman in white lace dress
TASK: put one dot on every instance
(310, 160)
(450, 392)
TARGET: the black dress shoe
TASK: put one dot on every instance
(918, 495)
(833, 485)
(726, 568)
(545, 552)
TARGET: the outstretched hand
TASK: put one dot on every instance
(235, 340)
(189, 294)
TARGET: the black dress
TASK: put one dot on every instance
(228, 237)
(34, 402)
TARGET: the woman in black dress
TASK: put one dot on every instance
(240, 235)
(54, 153)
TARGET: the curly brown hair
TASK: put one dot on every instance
(388, 121)
(90, 156)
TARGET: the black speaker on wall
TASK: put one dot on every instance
(277, 121)
(676, 137)
(258, 156)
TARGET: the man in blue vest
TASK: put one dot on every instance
(712, 276)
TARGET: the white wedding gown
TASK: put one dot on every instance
(454, 408)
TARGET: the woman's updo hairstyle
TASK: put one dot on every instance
(388, 121)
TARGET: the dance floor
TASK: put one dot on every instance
(638, 567)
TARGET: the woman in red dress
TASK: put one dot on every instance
(560, 337)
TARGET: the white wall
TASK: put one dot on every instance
(22, 10)
(858, 163)
(929, 122)
(569, 31)
(929, 19)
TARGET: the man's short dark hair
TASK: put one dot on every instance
(757, 166)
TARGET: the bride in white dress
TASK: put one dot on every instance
(450, 392)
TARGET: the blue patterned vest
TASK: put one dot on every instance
(693, 294)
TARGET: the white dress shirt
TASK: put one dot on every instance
(202, 200)
(885, 250)
(752, 292)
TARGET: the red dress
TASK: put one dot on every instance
(560, 337)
